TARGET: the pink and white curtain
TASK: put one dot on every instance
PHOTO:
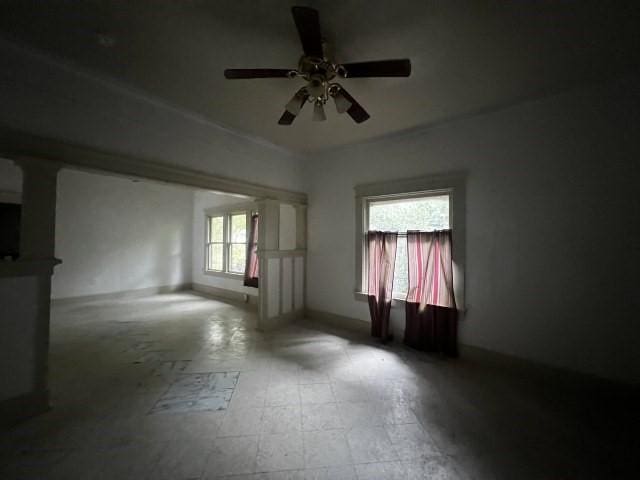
(381, 254)
(251, 268)
(431, 323)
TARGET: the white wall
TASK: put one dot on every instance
(113, 234)
(10, 177)
(202, 201)
(287, 226)
(19, 298)
(551, 217)
(49, 98)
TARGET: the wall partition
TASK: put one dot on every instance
(282, 256)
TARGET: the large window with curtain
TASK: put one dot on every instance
(405, 250)
(423, 211)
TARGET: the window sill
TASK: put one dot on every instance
(232, 276)
(395, 302)
(399, 302)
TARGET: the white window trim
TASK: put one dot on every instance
(226, 212)
(452, 184)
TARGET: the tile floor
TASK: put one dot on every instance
(183, 387)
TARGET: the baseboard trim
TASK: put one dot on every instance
(16, 409)
(281, 320)
(224, 294)
(140, 292)
(543, 372)
(338, 321)
(488, 358)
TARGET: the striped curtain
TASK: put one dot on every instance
(381, 255)
(430, 306)
(251, 268)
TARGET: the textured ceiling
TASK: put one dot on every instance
(467, 56)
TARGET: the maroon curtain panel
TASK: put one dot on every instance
(381, 255)
(252, 267)
(432, 317)
(432, 329)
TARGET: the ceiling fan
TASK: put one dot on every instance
(319, 72)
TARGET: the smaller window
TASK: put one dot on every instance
(226, 243)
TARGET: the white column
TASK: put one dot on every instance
(268, 242)
(300, 262)
(36, 260)
(301, 226)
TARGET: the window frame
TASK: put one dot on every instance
(229, 243)
(226, 213)
(208, 242)
(452, 184)
(401, 235)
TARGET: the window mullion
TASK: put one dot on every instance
(225, 243)
(207, 226)
(247, 231)
(207, 235)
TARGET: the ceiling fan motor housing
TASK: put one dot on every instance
(317, 88)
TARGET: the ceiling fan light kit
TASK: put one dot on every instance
(319, 72)
(318, 112)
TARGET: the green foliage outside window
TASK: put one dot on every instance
(423, 213)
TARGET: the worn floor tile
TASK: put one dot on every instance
(370, 444)
(320, 416)
(326, 448)
(316, 393)
(280, 451)
(383, 471)
(353, 391)
(345, 472)
(232, 455)
(359, 414)
(313, 375)
(310, 399)
(411, 441)
(286, 418)
(282, 393)
(182, 460)
(242, 421)
(436, 468)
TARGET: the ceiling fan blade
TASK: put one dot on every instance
(380, 68)
(293, 107)
(240, 73)
(287, 118)
(308, 24)
(355, 111)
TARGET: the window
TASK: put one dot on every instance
(426, 211)
(215, 244)
(226, 242)
(237, 252)
(398, 213)
(425, 203)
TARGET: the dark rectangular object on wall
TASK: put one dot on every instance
(10, 230)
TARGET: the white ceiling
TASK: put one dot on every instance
(467, 56)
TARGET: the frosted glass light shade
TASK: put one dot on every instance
(318, 113)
